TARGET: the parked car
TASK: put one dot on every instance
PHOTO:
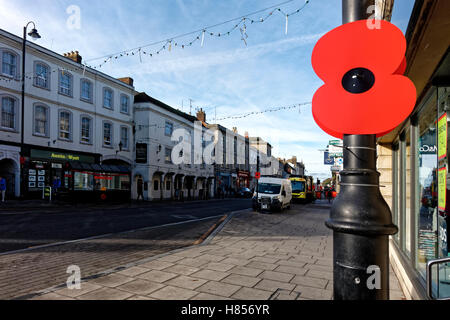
(244, 193)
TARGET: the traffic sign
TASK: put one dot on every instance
(257, 175)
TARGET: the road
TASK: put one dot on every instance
(23, 229)
(24, 272)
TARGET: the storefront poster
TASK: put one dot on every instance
(442, 136)
(442, 188)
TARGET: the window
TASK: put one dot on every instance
(42, 75)
(9, 64)
(65, 125)
(41, 120)
(156, 185)
(108, 98)
(168, 155)
(8, 115)
(86, 90)
(86, 130)
(168, 129)
(107, 134)
(124, 137)
(168, 185)
(65, 83)
(124, 103)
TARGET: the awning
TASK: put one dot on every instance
(83, 166)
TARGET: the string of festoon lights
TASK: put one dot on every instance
(276, 109)
(170, 43)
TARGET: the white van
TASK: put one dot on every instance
(273, 194)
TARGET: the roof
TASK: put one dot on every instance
(143, 98)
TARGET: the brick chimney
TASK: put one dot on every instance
(74, 55)
(201, 115)
(129, 81)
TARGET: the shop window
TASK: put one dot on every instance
(65, 83)
(427, 196)
(83, 181)
(8, 112)
(41, 75)
(41, 120)
(109, 181)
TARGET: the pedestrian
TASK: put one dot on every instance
(329, 195)
(140, 192)
(3, 188)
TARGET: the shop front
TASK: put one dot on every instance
(74, 177)
(413, 159)
(421, 189)
(243, 179)
(47, 168)
(94, 182)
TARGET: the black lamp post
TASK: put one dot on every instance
(34, 35)
(360, 217)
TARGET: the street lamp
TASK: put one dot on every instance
(34, 35)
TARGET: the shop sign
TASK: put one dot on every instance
(442, 188)
(327, 159)
(442, 136)
(428, 149)
(336, 168)
(42, 154)
(335, 148)
(141, 153)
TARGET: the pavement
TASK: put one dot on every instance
(251, 256)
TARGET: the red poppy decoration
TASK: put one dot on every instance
(365, 91)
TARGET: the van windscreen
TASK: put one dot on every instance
(269, 188)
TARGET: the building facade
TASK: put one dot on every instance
(74, 118)
(160, 131)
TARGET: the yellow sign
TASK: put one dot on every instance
(442, 136)
(442, 188)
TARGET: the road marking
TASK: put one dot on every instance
(105, 235)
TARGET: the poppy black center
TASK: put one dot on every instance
(358, 80)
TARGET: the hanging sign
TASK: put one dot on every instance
(327, 159)
(442, 188)
(442, 136)
(364, 91)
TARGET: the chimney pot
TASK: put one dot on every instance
(128, 80)
(201, 115)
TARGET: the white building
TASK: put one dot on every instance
(156, 123)
(72, 114)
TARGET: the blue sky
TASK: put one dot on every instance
(224, 76)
